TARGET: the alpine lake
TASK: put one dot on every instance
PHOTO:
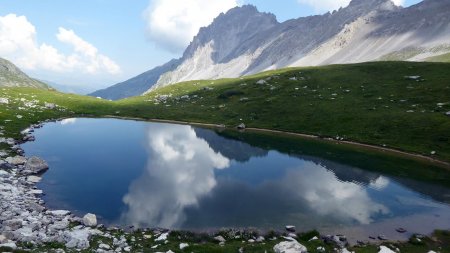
(145, 174)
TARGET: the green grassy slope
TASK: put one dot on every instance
(440, 58)
(370, 103)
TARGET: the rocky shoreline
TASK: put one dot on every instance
(26, 223)
(23, 216)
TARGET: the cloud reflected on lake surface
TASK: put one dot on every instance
(328, 196)
(68, 121)
(180, 171)
(180, 187)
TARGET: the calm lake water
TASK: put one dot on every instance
(176, 176)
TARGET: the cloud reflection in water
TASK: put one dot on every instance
(180, 171)
(179, 186)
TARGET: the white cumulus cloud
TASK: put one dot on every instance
(172, 24)
(329, 5)
(18, 43)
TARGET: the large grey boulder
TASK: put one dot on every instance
(290, 247)
(36, 165)
(90, 220)
(16, 160)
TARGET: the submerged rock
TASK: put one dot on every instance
(59, 213)
(290, 247)
(36, 165)
(90, 220)
(290, 228)
(382, 237)
(401, 230)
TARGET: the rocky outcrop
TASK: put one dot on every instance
(35, 165)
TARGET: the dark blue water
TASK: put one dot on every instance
(176, 176)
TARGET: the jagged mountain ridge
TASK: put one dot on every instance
(245, 41)
(12, 76)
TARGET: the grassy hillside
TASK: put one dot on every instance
(375, 103)
(440, 58)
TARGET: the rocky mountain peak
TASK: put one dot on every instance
(244, 41)
(231, 28)
(370, 5)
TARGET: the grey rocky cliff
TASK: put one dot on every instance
(244, 41)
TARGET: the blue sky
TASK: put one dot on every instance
(96, 43)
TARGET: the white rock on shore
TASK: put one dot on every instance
(290, 247)
(183, 245)
(90, 220)
(384, 249)
(162, 237)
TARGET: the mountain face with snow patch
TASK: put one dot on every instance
(245, 41)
